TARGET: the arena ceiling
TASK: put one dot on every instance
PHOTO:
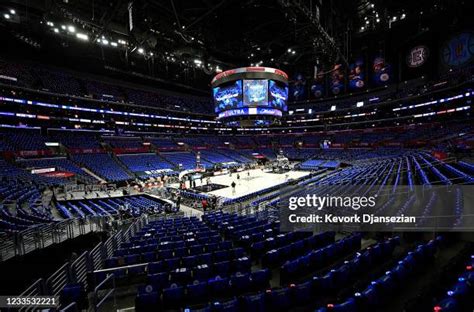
(189, 41)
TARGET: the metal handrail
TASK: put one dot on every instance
(97, 302)
(72, 307)
(44, 235)
(123, 267)
(56, 282)
(77, 271)
(36, 289)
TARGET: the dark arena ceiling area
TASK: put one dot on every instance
(186, 42)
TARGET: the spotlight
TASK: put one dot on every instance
(82, 36)
(12, 12)
(289, 50)
(140, 50)
(71, 29)
(105, 41)
(56, 30)
(6, 16)
(63, 27)
(114, 44)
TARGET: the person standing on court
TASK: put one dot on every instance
(233, 187)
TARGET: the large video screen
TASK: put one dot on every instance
(255, 92)
(228, 96)
(278, 95)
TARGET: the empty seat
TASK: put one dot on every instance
(173, 297)
(231, 305)
(254, 303)
(261, 279)
(201, 272)
(219, 287)
(301, 294)
(278, 299)
(197, 292)
(159, 280)
(156, 267)
(240, 283)
(222, 268)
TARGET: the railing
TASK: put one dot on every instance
(77, 271)
(46, 235)
(72, 307)
(56, 282)
(87, 262)
(37, 289)
(110, 291)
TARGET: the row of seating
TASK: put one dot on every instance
(459, 296)
(151, 298)
(318, 258)
(298, 242)
(175, 258)
(302, 295)
(381, 290)
(279, 255)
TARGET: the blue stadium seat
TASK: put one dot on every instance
(447, 305)
(261, 279)
(159, 280)
(73, 293)
(222, 268)
(202, 272)
(147, 301)
(242, 265)
(181, 276)
(173, 263)
(226, 306)
(149, 256)
(240, 283)
(197, 292)
(173, 297)
(278, 299)
(302, 294)
(190, 261)
(253, 303)
(219, 287)
(220, 256)
(349, 305)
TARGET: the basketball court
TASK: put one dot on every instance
(256, 181)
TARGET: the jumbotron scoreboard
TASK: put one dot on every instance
(250, 96)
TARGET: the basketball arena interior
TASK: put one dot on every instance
(236, 155)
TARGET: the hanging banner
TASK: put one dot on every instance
(317, 87)
(357, 75)
(458, 50)
(337, 79)
(298, 88)
(381, 71)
